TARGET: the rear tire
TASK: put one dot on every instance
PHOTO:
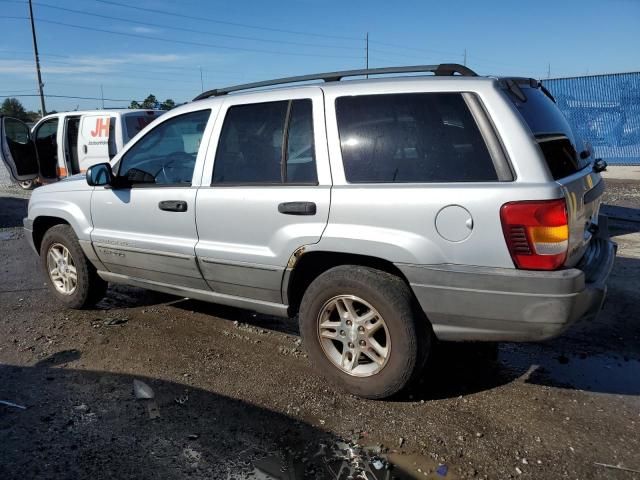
(72, 279)
(376, 365)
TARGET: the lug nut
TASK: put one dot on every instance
(350, 345)
(349, 323)
(342, 334)
(363, 343)
(361, 329)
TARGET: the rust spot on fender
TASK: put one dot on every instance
(293, 259)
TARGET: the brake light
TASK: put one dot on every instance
(536, 232)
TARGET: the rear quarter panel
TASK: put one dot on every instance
(397, 222)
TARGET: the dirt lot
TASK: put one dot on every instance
(234, 390)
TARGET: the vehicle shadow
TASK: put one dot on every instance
(86, 424)
(288, 326)
(61, 422)
(12, 211)
(622, 220)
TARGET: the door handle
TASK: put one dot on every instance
(297, 208)
(173, 205)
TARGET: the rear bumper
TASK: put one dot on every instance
(498, 304)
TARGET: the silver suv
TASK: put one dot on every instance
(385, 212)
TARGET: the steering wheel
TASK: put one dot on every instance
(162, 177)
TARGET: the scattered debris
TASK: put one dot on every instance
(193, 436)
(616, 467)
(110, 322)
(142, 391)
(11, 404)
(192, 456)
(400, 442)
(82, 408)
(153, 410)
(442, 470)
(182, 399)
(518, 471)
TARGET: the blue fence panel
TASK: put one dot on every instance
(604, 110)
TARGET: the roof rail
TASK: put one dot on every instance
(443, 69)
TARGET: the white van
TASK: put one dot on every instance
(63, 144)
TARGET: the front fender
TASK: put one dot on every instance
(74, 208)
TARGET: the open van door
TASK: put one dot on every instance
(17, 149)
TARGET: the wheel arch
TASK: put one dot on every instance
(312, 264)
(41, 225)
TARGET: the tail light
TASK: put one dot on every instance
(537, 233)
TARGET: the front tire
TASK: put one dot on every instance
(363, 330)
(27, 184)
(72, 279)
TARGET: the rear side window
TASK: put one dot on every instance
(413, 137)
(550, 129)
(266, 143)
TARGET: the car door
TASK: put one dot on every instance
(17, 149)
(265, 191)
(146, 229)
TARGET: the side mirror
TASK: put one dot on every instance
(99, 175)
(599, 165)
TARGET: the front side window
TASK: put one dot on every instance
(167, 154)
(413, 137)
(266, 143)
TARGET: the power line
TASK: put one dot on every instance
(223, 22)
(184, 42)
(67, 96)
(191, 30)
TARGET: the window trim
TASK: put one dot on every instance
(118, 164)
(464, 95)
(284, 154)
(495, 146)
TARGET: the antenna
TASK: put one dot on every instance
(366, 49)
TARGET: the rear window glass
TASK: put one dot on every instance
(411, 138)
(552, 131)
(135, 122)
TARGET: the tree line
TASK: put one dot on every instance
(12, 107)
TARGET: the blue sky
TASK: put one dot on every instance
(79, 52)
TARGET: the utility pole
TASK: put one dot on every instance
(549, 70)
(366, 51)
(43, 110)
(102, 95)
(201, 81)
(465, 58)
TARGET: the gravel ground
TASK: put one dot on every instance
(235, 391)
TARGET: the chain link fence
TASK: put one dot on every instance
(604, 110)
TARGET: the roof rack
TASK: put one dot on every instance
(443, 69)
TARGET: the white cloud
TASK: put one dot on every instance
(145, 30)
